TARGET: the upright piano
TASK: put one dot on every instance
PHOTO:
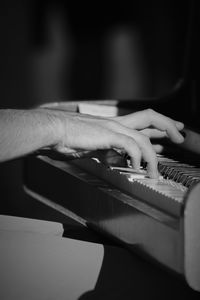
(158, 219)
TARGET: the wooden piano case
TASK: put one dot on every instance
(72, 187)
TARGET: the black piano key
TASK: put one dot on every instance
(177, 171)
(181, 174)
(191, 181)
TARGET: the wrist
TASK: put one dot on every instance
(52, 127)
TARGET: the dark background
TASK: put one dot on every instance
(52, 50)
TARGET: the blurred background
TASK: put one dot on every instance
(64, 50)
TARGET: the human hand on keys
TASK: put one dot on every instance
(130, 133)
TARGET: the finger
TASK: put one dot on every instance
(144, 118)
(153, 133)
(63, 149)
(127, 143)
(143, 143)
(138, 120)
(147, 118)
(149, 155)
(179, 125)
(71, 153)
(158, 148)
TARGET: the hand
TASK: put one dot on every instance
(152, 125)
(131, 133)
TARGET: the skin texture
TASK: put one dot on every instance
(24, 131)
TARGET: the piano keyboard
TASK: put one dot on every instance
(167, 184)
(179, 172)
(184, 174)
(166, 193)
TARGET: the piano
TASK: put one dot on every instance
(158, 219)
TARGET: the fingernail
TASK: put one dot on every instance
(179, 125)
(180, 138)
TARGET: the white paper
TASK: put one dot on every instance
(41, 266)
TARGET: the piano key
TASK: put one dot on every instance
(129, 170)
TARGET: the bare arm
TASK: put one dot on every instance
(23, 131)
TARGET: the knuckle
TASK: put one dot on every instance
(150, 111)
(111, 124)
(128, 141)
(146, 140)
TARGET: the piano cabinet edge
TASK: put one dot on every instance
(191, 229)
(176, 247)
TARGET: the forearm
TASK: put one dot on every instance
(24, 131)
